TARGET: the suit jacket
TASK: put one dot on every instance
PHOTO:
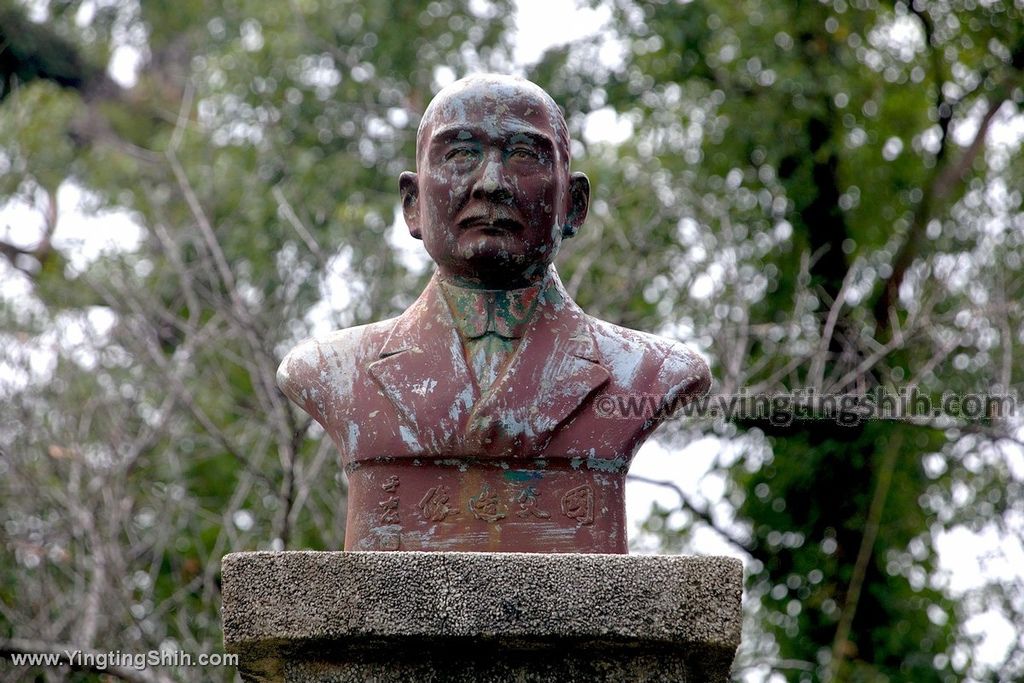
(537, 462)
(401, 388)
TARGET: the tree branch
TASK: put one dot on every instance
(702, 515)
(867, 546)
(935, 194)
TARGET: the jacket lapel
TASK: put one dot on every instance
(422, 371)
(555, 368)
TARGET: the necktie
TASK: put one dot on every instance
(490, 323)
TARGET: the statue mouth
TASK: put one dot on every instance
(491, 223)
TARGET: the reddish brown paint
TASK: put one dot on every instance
(528, 464)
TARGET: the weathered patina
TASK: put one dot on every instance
(478, 419)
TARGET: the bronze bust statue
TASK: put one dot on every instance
(470, 422)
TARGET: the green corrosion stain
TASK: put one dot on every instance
(522, 475)
(607, 465)
(492, 314)
(614, 465)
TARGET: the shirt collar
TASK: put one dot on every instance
(479, 311)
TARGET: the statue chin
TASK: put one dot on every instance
(493, 264)
(496, 268)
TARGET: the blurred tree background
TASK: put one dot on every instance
(817, 194)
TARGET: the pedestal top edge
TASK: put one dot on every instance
(482, 556)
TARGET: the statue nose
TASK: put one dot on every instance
(492, 182)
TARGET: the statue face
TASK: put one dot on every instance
(493, 190)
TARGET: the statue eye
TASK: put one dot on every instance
(460, 154)
(522, 153)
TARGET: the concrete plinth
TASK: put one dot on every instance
(411, 616)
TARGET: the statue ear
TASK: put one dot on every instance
(579, 204)
(409, 188)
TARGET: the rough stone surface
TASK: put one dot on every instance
(410, 616)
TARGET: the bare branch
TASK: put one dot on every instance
(817, 371)
(864, 553)
(289, 213)
(935, 194)
(702, 515)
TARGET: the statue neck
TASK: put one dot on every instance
(504, 312)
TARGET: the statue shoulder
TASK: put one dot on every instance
(644, 362)
(330, 362)
(685, 373)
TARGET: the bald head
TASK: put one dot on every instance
(473, 95)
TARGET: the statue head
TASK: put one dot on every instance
(492, 196)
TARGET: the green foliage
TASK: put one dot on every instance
(786, 156)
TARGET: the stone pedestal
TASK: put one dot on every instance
(411, 616)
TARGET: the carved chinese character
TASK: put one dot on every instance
(578, 504)
(487, 506)
(390, 484)
(527, 500)
(389, 510)
(434, 504)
